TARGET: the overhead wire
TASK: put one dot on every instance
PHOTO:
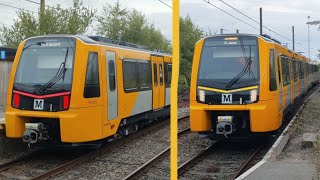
(165, 3)
(208, 1)
(14, 7)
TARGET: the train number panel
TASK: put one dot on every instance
(76, 89)
(243, 84)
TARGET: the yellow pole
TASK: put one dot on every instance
(174, 91)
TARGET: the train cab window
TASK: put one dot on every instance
(112, 76)
(92, 84)
(161, 74)
(273, 76)
(168, 75)
(155, 74)
(144, 75)
(130, 75)
(294, 68)
(285, 70)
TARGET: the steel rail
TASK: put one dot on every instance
(245, 164)
(136, 173)
(183, 167)
(19, 160)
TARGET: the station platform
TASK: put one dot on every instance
(282, 170)
(292, 160)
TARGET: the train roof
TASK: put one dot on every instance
(108, 42)
(264, 37)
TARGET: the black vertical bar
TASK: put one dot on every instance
(293, 38)
(237, 31)
(260, 21)
(221, 31)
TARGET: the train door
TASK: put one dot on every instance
(112, 85)
(158, 86)
(155, 82)
(161, 82)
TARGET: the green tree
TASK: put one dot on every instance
(136, 24)
(113, 21)
(57, 20)
(130, 26)
(189, 35)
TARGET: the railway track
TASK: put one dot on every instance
(156, 159)
(62, 166)
(209, 153)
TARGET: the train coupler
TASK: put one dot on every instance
(225, 125)
(34, 132)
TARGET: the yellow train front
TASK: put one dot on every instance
(67, 89)
(244, 84)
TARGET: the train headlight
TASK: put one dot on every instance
(253, 95)
(202, 95)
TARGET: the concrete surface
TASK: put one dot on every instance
(283, 170)
(293, 166)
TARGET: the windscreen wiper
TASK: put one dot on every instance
(246, 68)
(59, 75)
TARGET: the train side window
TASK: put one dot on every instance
(144, 75)
(273, 76)
(285, 70)
(130, 75)
(279, 73)
(92, 84)
(155, 74)
(112, 76)
(161, 74)
(168, 73)
(294, 68)
(302, 70)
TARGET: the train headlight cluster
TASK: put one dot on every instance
(202, 96)
(253, 95)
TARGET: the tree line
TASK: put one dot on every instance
(115, 22)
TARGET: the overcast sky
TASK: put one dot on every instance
(278, 16)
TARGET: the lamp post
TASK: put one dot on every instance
(308, 36)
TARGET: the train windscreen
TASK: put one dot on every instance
(46, 64)
(229, 61)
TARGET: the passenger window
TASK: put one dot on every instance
(92, 84)
(144, 73)
(168, 74)
(272, 69)
(130, 75)
(279, 73)
(155, 74)
(111, 58)
(112, 75)
(294, 70)
(161, 74)
(285, 70)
